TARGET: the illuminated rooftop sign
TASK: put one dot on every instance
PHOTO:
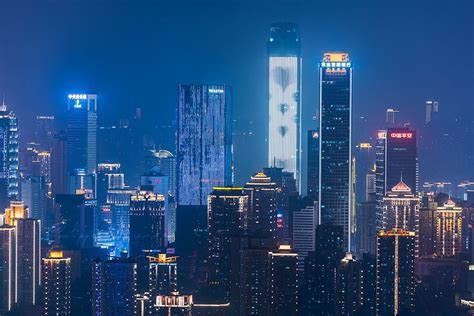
(212, 90)
(336, 64)
(401, 135)
(77, 96)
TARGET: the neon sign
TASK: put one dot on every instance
(77, 96)
(401, 135)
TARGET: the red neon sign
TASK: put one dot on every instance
(401, 135)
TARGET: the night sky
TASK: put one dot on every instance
(135, 53)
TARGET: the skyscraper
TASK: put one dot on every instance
(119, 201)
(9, 166)
(348, 286)
(29, 260)
(395, 272)
(335, 154)
(401, 209)
(262, 209)
(313, 164)
(284, 281)
(166, 162)
(81, 136)
(147, 223)
(390, 117)
(449, 229)
(204, 141)
(59, 164)
(431, 109)
(227, 218)
(44, 132)
(8, 270)
(284, 102)
(114, 286)
(163, 275)
(305, 221)
(56, 284)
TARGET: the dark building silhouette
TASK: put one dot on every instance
(284, 281)
(114, 287)
(227, 219)
(74, 228)
(349, 280)
(395, 272)
(147, 223)
(312, 189)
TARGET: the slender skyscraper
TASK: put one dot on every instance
(335, 155)
(81, 136)
(9, 175)
(313, 165)
(449, 232)
(204, 141)
(8, 268)
(284, 102)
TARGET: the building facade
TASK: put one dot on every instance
(449, 229)
(9, 151)
(312, 189)
(284, 102)
(56, 284)
(335, 141)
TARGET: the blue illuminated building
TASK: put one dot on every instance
(335, 155)
(9, 175)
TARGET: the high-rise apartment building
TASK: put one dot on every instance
(56, 284)
(227, 219)
(349, 280)
(335, 154)
(449, 229)
(284, 102)
(28, 232)
(284, 281)
(262, 209)
(9, 166)
(305, 221)
(163, 275)
(395, 272)
(9, 268)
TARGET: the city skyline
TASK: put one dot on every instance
(370, 46)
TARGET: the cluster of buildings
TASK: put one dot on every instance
(89, 230)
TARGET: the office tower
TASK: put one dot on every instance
(366, 227)
(59, 164)
(313, 164)
(109, 177)
(119, 201)
(81, 149)
(364, 161)
(173, 304)
(227, 218)
(262, 209)
(335, 141)
(147, 223)
(8, 269)
(369, 284)
(34, 194)
(319, 272)
(348, 285)
(253, 293)
(400, 209)
(395, 272)
(370, 185)
(284, 102)
(159, 184)
(284, 281)
(28, 232)
(427, 229)
(9, 174)
(166, 163)
(390, 117)
(305, 221)
(449, 232)
(431, 109)
(114, 286)
(17, 210)
(56, 284)
(44, 132)
(74, 218)
(204, 141)
(163, 275)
